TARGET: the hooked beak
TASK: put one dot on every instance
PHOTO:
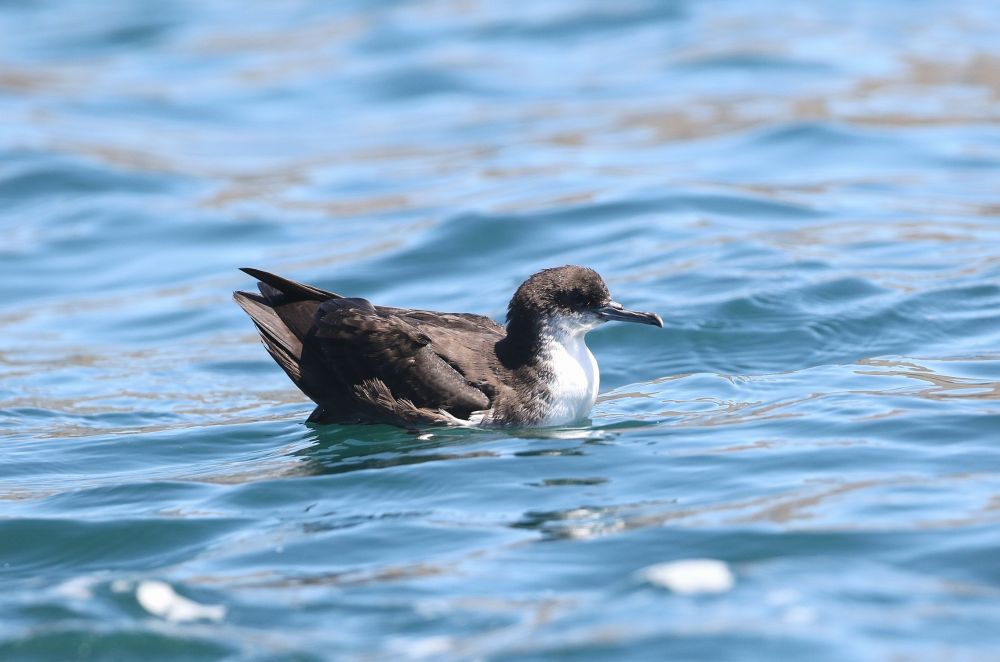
(615, 311)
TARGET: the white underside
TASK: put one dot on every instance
(574, 381)
(475, 419)
(575, 375)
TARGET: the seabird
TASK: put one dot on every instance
(373, 364)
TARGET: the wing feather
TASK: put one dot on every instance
(363, 343)
(357, 360)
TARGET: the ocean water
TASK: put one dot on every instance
(808, 193)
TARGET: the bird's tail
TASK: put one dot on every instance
(280, 341)
(283, 313)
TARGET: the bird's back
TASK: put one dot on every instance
(362, 362)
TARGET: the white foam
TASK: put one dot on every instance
(121, 586)
(160, 599)
(690, 576)
(77, 588)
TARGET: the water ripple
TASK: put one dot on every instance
(809, 202)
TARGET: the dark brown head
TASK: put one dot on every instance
(573, 298)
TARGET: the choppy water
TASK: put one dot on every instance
(807, 192)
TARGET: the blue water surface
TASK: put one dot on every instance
(808, 193)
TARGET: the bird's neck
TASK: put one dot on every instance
(521, 346)
(532, 341)
(570, 372)
(552, 368)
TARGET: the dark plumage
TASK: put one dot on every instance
(364, 363)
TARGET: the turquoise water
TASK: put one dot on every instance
(807, 193)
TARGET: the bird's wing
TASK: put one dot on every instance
(430, 320)
(341, 351)
(364, 345)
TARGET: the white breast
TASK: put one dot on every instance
(575, 378)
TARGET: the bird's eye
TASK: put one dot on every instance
(572, 300)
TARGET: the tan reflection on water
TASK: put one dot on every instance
(791, 509)
(943, 387)
(868, 101)
(962, 89)
(761, 405)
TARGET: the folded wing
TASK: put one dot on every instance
(359, 361)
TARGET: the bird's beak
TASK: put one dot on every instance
(615, 311)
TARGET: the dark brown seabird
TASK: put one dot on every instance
(374, 364)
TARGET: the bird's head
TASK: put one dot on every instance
(571, 298)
